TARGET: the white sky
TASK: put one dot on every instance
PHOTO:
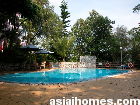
(118, 10)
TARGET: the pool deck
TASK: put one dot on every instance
(124, 86)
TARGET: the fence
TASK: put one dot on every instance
(112, 65)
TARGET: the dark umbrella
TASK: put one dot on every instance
(44, 52)
(30, 47)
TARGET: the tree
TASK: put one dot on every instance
(135, 39)
(62, 46)
(121, 39)
(60, 40)
(81, 31)
(10, 13)
(94, 35)
(135, 44)
(48, 26)
(64, 16)
(101, 30)
(136, 8)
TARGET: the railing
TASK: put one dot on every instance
(17, 67)
(104, 65)
(112, 65)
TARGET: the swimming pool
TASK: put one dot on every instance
(60, 76)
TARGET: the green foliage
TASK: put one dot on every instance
(34, 30)
(121, 39)
(62, 46)
(93, 35)
(40, 58)
(136, 8)
(64, 16)
(57, 37)
(9, 21)
(52, 31)
(82, 33)
(41, 25)
(135, 44)
(12, 15)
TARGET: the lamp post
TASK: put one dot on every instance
(121, 54)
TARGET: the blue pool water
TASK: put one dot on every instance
(60, 76)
